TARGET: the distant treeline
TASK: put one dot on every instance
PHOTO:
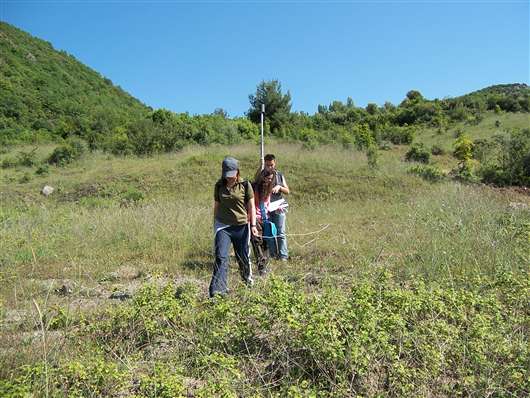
(48, 95)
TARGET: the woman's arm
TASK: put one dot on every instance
(251, 210)
(215, 208)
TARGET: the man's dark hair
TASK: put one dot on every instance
(268, 157)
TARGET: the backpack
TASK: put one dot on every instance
(269, 228)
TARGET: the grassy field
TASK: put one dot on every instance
(396, 286)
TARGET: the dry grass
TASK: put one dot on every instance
(89, 237)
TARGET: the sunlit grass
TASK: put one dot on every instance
(151, 218)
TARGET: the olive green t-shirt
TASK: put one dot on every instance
(232, 208)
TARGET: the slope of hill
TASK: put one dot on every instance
(518, 89)
(414, 288)
(508, 97)
(49, 91)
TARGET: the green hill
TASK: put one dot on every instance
(507, 97)
(50, 92)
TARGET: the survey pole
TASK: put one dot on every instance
(262, 144)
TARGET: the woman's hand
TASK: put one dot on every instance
(254, 230)
(276, 189)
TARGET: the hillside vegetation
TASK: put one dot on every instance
(47, 93)
(408, 276)
(396, 286)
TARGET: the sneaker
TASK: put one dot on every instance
(263, 271)
(249, 282)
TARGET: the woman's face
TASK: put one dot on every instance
(268, 179)
(231, 180)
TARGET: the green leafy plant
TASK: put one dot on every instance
(8, 163)
(463, 151)
(437, 150)
(131, 196)
(506, 161)
(27, 159)
(67, 153)
(427, 172)
(418, 153)
(43, 169)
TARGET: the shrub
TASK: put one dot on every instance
(92, 376)
(390, 338)
(427, 172)
(42, 169)
(418, 153)
(247, 129)
(385, 145)
(372, 156)
(463, 148)
(131, 196)
(463, 151)
(363, 137)
(162, 382)
(400, 135)
(119, 144)
(27, 159)
(8, 163)
(25, 178)
(506, 161)
(67, 153)
(437, 150)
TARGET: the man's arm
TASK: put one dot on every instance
(281, 188)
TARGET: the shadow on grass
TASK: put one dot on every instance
(198, 263)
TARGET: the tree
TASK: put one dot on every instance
(220, 112)
(371, 108)
(277, 105)
(414, 95)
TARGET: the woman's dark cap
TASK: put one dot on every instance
(230, 167)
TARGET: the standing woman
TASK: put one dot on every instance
(233, 210)
(262, 186)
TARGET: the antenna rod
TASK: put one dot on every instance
(262, 144)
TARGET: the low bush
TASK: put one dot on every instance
(27, 159)
(427, 172)
(399, 135)
(64, 154)
(118, 144)
(437, 150)
(505, 161)
(26, 177)
(8, 163)
(42, 169)
(463, 151)
(162, 382)
(377, 339)
(385, 146)
(418, 153)
(131, 196)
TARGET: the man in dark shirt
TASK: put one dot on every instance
(278, 217)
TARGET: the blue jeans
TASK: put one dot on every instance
(239, 236)
(279, 245)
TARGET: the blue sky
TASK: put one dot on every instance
(198, 56)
